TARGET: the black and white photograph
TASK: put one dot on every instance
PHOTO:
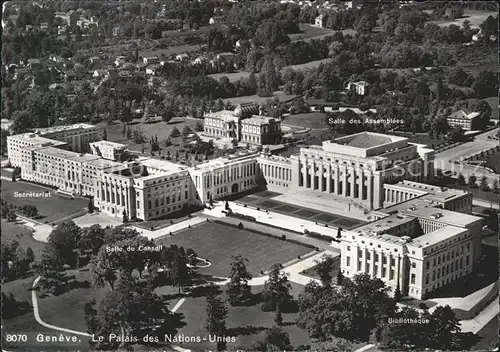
(249, 176)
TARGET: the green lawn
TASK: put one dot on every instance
(246, 324)
(259, 100)
(493, 162)
(307, 120)
(21, 234)
(217, 243)
(51, 208)
(160, 129)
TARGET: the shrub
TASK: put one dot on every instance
(283, 237)
(422, 305)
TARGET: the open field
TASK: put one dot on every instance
(310, 32)
(307, 120)
(21, 234)
(50, 208)
(233, 77)
(217, 243)
(174, 50)
(259, 100)
(195, 32)
(475, 17)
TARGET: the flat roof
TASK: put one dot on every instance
(162, 165)
(384, 224)
(443, 215)
(109, 144)
(437, 236)
(366, 140)
(66, 154)
(101, 163)
(34, 138)
(258, 120)
(64, 128)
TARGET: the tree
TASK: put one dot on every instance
(65, 238)
(181, 274)
(351, 312)
(472, 181)
(276, 294)
(398, 295)
(175, 133)
(277, 339)
(91, 241)
(458, 76)
(457, 134)
(11, 217)
(186, 131)
(130, 310)
(324, 268)
(198, 127)
(90, 206)
(495, 186)
(460, 179)
(216, 317)
(486, 84)
(483, 184)
(29, 210)
(238, 289)
(125, 216)
(13, 177)
(340, 277)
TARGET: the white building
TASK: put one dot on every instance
(108, 150)
(75, 137)
(356, 167)
(417, 250)
(462, 119)
(360, 87)
(320, 21)
(225, 176)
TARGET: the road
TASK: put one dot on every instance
(481, 142)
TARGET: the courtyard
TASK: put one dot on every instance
(263, 200)
(50, 209)
(217, 243)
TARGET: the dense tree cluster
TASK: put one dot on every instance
(351, 312)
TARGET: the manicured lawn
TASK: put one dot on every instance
(493, 162)
(475, 17)
(489, 336)
(247, 324)
(21, 234)
(307, 30)
(51, 208)
(258, 100)
(307, 120)
(160, 129)
(217, 243)
(311, 272)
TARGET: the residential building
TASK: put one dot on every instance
(462, 119)
(360, 87)
(320, 21)
(150, 60)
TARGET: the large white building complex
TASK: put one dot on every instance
(244, 124)
(423, 239)
(354, 167)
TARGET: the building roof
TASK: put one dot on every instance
(258, 120)
(461, 114)
(162, 165)
(108, 144)
(77, 126)
(437, 236)
(444, 216)
(246, 110)
(366, 140)
(383, 225)
(35, 139)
